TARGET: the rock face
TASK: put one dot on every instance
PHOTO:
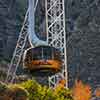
(10, 23)
(83, 35)
(7, 28)
(83, 40)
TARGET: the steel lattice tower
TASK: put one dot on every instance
(56, 35)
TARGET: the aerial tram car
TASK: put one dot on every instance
(43, 60)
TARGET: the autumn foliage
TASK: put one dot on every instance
(31, 90)
(97, 92)
(81, 91)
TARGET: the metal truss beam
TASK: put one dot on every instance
(11, 74)
(56, 35)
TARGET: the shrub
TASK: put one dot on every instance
(18, 93)
(39, 92)
(3, 87)
(62, 93)
(4, 90)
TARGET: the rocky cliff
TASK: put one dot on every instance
(83, 40)
(10, 24)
